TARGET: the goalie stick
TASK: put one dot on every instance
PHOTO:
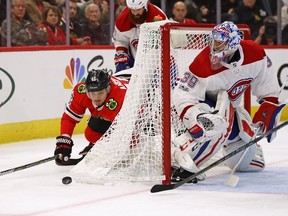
(161, 187)
(233, 179)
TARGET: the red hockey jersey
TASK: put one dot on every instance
(80, 102)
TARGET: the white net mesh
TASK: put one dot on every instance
(132, 148)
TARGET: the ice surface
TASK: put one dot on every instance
(39, 190)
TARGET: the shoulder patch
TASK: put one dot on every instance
(112, 104)
(81, 89)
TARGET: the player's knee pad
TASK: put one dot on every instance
(252, 161)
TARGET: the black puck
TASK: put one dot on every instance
(66, 180)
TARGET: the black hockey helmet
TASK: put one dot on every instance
(97, 80)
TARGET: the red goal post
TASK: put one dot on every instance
(137, 145)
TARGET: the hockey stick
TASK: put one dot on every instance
(70, 161)
(5, 172)
(233, 179)
(161, 187)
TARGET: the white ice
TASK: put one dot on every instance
(39, 190)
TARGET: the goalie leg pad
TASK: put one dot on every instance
(199, 153)
(246, 131)
(179, 154)
(202, 152)
(253, 161)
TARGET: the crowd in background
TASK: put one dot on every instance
(39, 22)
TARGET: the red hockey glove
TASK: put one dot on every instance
(64, 148)
(268, 115)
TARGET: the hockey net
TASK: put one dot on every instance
(137, 145)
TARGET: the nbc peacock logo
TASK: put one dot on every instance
(74, 73)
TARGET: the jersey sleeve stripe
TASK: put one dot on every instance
(73, 115)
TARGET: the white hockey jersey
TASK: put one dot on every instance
(254, 68)
(126, 33)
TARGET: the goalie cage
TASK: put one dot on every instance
(137, 145)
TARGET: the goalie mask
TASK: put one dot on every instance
(225, 40)
(97, 80)
(137, 4)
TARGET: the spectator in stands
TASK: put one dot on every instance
(268, 32)
(249, 13)
(270, 6)
(50, 19)
(284, 14)
(228, 10)
(104, 8)
(179, 12)
(119, 7)
(193, 11)
(208, 10)
(74, 27)
(35, 9)
(169, 7)
(23, 32)
(93, 28)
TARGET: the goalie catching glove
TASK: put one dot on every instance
(203, 123)
(268, 115)
(123, 61)
(63, 148)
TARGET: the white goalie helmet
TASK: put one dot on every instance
(137, 4)
(227, 37)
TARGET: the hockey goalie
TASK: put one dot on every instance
(207, 99)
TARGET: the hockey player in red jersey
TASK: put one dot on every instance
(103, 95)
(126, 32)
(207, 99)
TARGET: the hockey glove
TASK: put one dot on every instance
(86, 149)
(64, 148)
(123, 61)
(268, 115)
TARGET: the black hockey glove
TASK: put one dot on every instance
(64, 148)
(86, 149)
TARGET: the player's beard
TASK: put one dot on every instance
(138, 20)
